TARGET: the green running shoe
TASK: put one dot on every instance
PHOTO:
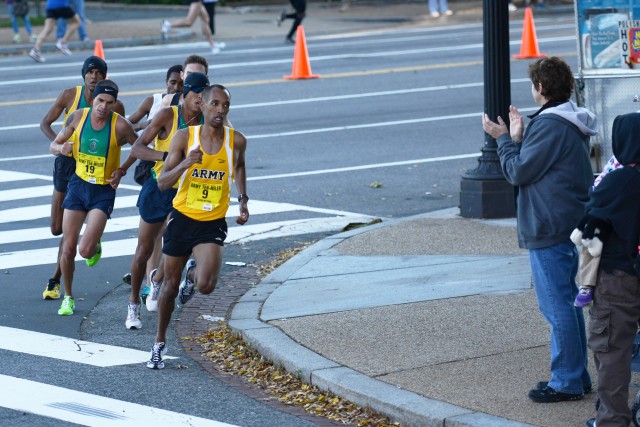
(67, 306)
(94, 259)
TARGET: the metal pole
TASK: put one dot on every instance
(484, 191)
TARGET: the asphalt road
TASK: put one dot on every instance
(385, 132)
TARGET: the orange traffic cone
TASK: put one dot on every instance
(529, 44)
(97, 49)
(301, 66)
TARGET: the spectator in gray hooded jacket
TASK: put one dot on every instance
(550, 165)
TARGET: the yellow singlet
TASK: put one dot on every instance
(204, 190)
(163, 144)
(97, 152)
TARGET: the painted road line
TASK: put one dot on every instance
(116, 224)
(44, 211)
(89, 409)
(257, 208)
(295, 227)
(236, 65)
(9, 176)
(25, 193)
(68, 349)
(43, 233)
(127, 247)
(343, 96)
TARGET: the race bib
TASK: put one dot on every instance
(91, 168)
(203, 196)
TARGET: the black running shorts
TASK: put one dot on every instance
(183, 234)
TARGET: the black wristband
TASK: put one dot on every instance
(243, 197)
(164, 155)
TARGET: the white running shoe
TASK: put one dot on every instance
(133, 317)
(62, 47)
(218, 47)
(166, 27)
(36, 56)
(152, 298)
(187, 287)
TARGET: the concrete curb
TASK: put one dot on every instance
(405, 407)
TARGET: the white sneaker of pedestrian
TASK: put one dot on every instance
(166, 27)
(35, 54)
(62, 47)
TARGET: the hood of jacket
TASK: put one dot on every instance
(624, 138)
(582, 118)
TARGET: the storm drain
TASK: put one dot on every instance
(79, 408)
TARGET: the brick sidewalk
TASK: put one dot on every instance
(231, 286)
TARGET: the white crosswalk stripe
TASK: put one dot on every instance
(326, 220)
(71, 350)
(67, 405)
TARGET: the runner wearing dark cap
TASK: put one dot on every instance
(94, 137)
(155, 205)
(204, 161)
(69, 100)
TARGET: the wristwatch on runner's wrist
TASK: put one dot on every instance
(243, 197)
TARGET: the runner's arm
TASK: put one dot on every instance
(143, 110)
(54, 112)
(61, 144)
(240, 174)
(141, 148)
(125, 135)
(176, 162)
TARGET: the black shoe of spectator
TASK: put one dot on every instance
(549, 395)
(544, 384)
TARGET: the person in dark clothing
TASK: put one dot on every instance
(615, 204)
(301, 7)
(210, 6)
(550, 165)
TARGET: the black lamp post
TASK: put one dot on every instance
(484, 192)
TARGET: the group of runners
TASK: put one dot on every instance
(196, 154)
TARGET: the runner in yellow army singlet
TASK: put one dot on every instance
(204, 160)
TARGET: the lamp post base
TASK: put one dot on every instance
(486, 198)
